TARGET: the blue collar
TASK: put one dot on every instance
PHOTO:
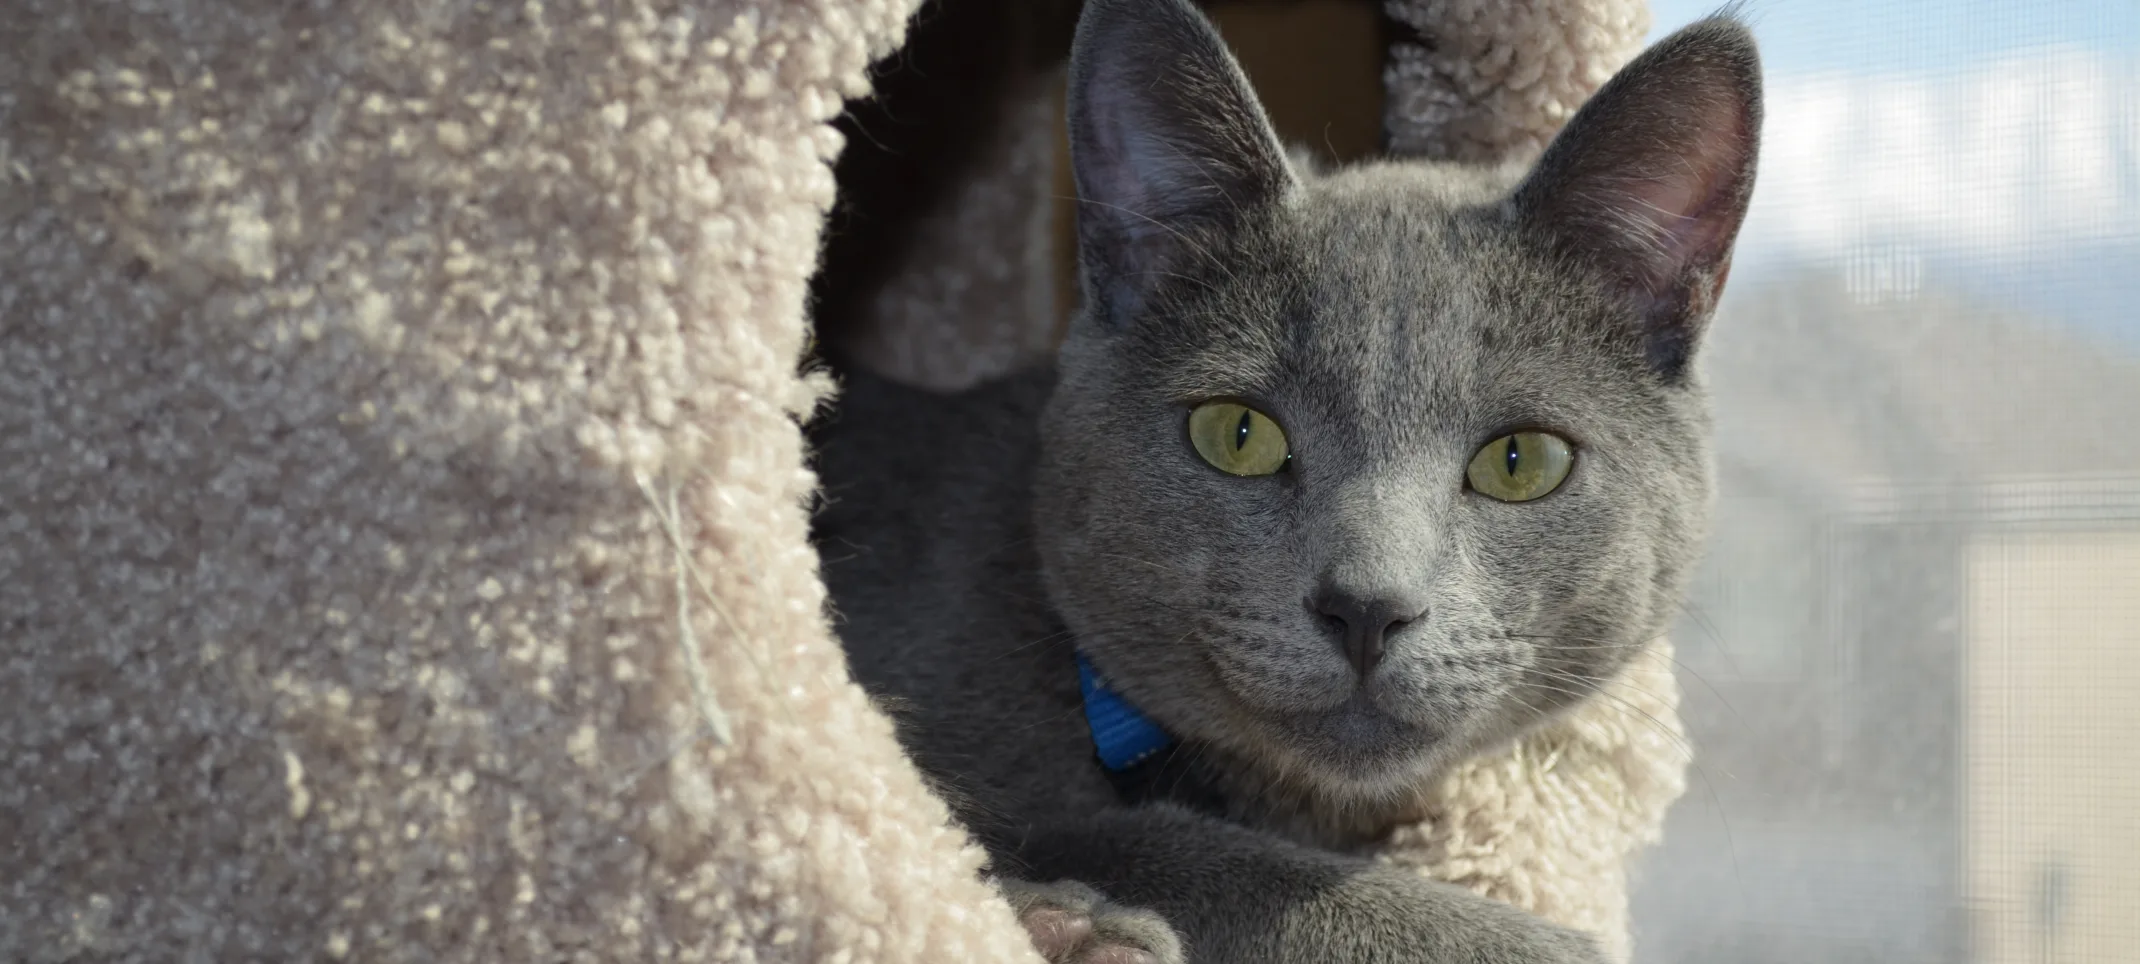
(1124, 736)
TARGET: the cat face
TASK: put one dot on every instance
(1279, 502)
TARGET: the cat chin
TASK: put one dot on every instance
(1358, 745)
(1358, 786)
(1361, 760)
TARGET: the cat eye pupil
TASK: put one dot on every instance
(1237, 439)
(1520, 466)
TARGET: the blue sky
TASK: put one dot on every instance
(1990, 145)
(1918, 35)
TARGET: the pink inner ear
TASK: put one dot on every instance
(1680, 216)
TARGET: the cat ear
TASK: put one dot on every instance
(1168, 144)
(1650, 180)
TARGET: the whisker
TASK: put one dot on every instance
(1599, 686)
(1051, 639)
(1708, 786)
(1701, 621)
(1676, 661)
(1680, 740)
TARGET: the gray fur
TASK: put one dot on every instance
(1393, 318)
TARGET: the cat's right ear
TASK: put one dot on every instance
(1168, 144)
(1649, 182)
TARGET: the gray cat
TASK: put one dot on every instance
(1337, 479)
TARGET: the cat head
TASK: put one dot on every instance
(1352, 475)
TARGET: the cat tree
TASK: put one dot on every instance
(402, 500)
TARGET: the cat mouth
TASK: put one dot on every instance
(1359, 735)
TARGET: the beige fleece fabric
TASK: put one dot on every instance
(1553, 823)
(975, 290)
(402, 525)
(402, 507)
(1490, 80)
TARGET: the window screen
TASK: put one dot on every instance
(1912, 661)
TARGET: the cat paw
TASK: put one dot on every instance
(1071, 923)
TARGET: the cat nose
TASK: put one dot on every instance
(1363, 623)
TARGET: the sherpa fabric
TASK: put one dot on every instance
(1489, 80)
(974, 292)
(1552, 824)
(402, 525)
(940, 263)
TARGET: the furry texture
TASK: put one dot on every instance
(1552, 824)
(1486, 80)
(954, 311)
(402, 540)
(938, 262)
(335, 340)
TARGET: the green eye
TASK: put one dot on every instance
(1521, 467)
(1237, 439)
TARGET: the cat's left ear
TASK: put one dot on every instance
(1649, 182)
(1168, 144)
